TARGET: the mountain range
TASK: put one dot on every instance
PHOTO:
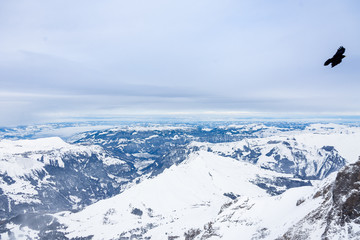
(182, 181)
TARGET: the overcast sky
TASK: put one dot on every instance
(64, 59)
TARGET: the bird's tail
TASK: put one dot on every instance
(327, 62)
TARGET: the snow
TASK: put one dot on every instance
(20, 192)
(276, 214)
(20, 233)
(151, 137)
(112, 161)
(142, 164)
(347, 144)
(182, 197)
(144, 155)
(67, 132)
(75, 199)
(22, 146)
(20, 158)
(345, 140)
(191, 194)
(150, 128)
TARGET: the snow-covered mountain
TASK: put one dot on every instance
(212, 197)
(181, 199)
(63, 130)
(284, 154)
(338, 214)
(173, 182)
(50, 175)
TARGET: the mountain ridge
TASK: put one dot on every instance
(100, 165)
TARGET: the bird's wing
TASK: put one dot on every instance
(328, 62)
(340, 51)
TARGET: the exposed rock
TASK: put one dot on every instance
(338, 217)
(346, 193)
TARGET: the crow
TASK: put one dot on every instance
(336, 59)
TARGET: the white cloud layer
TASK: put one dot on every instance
(102, 58)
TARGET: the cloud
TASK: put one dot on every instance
(119, 57)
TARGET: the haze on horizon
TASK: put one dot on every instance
(100, 59)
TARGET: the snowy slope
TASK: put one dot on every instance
(23, 156)
(184, 197)
(213, 182)
(267, 218)
(314, 152)
(310, 151)
(338, 216)
(188, 201)
(50, 174)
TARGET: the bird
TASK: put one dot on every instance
(336, 59)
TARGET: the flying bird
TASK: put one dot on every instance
(336, 59)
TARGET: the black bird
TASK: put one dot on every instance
(336, 59)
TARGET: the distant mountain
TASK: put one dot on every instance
(200, 170)
(213, 197)
(49, 175)
(283, 154)
(181, 201)
(63, 130)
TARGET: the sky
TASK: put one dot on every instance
(65, 59)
